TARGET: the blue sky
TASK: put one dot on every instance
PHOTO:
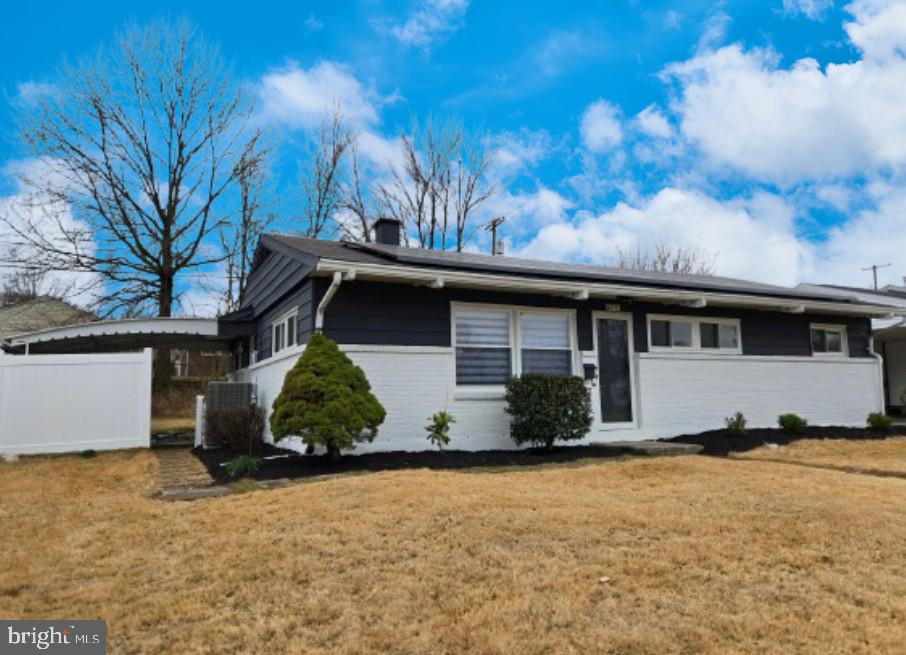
(771, 134)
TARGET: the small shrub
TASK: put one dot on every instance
(548, 408)
(326, 400)
(736, 424)
(792, 424)
(88, 454)
(244, 466)
(879, 421)
(439, 429)
(239, 429)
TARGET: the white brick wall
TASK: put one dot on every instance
(682, 394)
(678, 394)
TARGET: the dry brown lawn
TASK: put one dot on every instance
(171, 424)
(673, 555)
(887, 457)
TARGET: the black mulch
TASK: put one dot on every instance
(290, 464)
(295, 465)
(721, 443)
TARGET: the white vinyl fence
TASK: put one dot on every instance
(64, 403)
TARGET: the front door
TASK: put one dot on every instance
(614, 369)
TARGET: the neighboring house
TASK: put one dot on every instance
(39, 313)
(889, 336)
(663, 354)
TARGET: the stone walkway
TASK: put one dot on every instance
(182, 476)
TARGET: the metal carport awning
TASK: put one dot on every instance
(126, 335)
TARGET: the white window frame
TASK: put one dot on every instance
(515, 312)
(829, 327)
(696, 346)
(600, 425)
(283, 321)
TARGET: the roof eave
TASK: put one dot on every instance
(577, 289)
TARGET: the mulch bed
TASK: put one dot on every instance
(295, 465)
(290, 464)
(721, 443)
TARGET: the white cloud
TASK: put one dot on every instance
(515, 153)
(686, 218)
(812, 9)
(878, 28)
(876, 235)
(651, 122)
(785, 125)
(428, 22)
(600, 127)
(313, 24)
(301, 97)
(32, 92)
(24, 209)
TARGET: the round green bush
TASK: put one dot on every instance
(326, 400)
(548, 408)
(792, 424)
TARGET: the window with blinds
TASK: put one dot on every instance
(483, 352)
(545, 343)
(485, 344)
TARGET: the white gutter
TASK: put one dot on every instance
(338, 277)
(880, 361)
(582, 290)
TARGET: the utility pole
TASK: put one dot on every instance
(874, 272)
(492, 226)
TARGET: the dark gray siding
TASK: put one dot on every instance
(301, 297)
(379, 313)
(763, 333)
(272, 280)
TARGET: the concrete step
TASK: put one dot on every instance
(652, 448)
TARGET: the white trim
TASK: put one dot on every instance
(283, 354)
(496, 391)
(600, 425)
(596, 290)
(830, 327)
(283, 320)
(698, 356)
(696, 337)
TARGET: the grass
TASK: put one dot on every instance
(881, 457)
(169, 424)
(670, 555)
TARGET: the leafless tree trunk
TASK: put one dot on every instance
(143, 143)
(240, 240)
(470, 187)
(356, 201)
(322, 186)
(680, 260)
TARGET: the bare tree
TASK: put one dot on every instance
(143, 144)
(439, 185)
(471, 188)
(681, 260)
(321, 182)
(356, 200)
(240, 239)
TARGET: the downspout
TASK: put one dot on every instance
(881, 385)
(335, 283)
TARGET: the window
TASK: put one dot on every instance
(691, 333)
(668, 333)
(828, 340)
(283, 332)
(486, 340)
(719, 335)
(483, 354)
(545, 343)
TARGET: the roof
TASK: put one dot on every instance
(38, 314)
(388, 255)
(124, 334)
